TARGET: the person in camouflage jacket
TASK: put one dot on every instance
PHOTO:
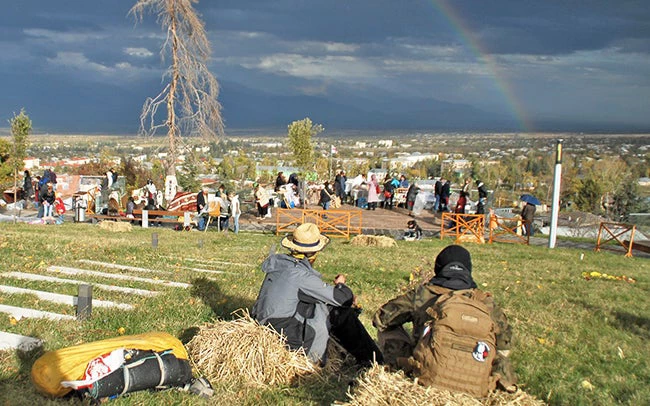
(453, 270)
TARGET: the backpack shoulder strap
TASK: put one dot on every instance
(438, 290)
(484, 297)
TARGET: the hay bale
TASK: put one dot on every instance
(373, 241)
(377, 387)
(116, 226)
(244, 352)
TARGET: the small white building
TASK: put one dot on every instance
(456, 165)
(31, 162)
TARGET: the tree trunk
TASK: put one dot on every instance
(171, 114)
(15, 192)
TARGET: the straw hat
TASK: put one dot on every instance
(306, 239)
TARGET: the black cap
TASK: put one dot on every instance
(453, 268)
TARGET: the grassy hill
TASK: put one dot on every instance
(576, 341)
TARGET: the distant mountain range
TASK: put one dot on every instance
(92, 108)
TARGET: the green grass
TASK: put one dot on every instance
(567, 329)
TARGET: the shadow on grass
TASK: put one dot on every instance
(222, 304)
(637, 325)
(621, 320)
(17, 388)
(25, 361)
(323, 390)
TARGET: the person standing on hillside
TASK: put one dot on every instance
(389, 191)
(527, 215)
(296, 302)
(445, 192)
(411, 194)
(467, 186)
(339, 186)
(403, 183)
(482, 197)
(202, 207)
(261, 200)
(437, 189)
(47, 198)
(28, 188)
(373, 192)
(224, 208)
(235, 208)
(53, 179)
(280, 181)
(325, 197)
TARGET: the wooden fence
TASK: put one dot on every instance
(506, 229)
(616, 230)
(465, 227)
(333, 223)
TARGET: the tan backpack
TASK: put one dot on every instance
(458, 346)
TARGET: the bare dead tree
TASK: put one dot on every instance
(190, 96)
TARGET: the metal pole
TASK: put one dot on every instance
(84, 302)
(555, 204)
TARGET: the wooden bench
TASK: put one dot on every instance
(160, 216)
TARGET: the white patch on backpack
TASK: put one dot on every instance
(481, 351)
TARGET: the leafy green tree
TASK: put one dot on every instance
(5, 168)
(188, 178)
(359, 168)
(226, 168)
(626, 199)
(136, 175)
(589, 195)
(300, 141)
(21, 126)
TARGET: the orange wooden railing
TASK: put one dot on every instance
(333, 223)
(465, 227)
(615, 230)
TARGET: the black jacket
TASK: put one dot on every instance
(201, 202)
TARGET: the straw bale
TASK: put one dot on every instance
(242, 351)
(338, 359)
(116, 226)
(373, 241)
(378, 387)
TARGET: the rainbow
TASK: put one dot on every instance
(469, 40)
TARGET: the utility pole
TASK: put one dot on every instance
(555, 204)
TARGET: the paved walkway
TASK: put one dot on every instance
(382, 222)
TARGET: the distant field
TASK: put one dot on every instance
(577, 342)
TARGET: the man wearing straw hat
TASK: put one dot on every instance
(296, 302)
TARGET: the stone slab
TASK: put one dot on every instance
(10, 341)
(21, 312)
(59, 298)
(117, 266)
(76, 271)
(37, 277)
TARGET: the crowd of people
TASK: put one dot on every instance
(392, 191)
(224, 207)
(41, 192)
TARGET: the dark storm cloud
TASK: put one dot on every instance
(589, 54)
(531, 27)
(554, 27)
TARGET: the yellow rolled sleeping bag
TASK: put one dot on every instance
(69, 364)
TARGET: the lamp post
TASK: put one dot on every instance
(555, 204)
